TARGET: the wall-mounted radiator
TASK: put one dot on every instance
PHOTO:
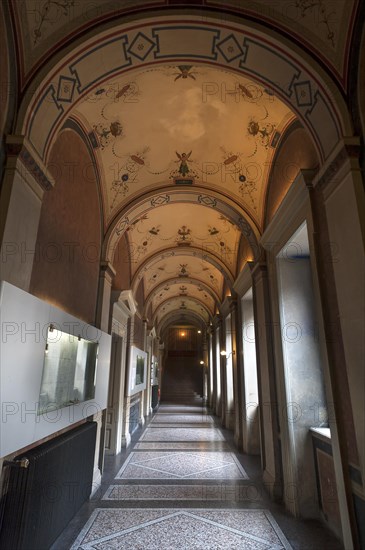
(41, 499)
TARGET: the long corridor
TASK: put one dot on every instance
(182, 485)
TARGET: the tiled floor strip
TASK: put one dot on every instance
(181, 465)
(154, 529)
(182, 486)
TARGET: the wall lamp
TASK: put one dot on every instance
(227, 355)
(202, 362)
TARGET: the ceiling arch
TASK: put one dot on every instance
(243, 48)
(175, 225)
(195, 195)
(183, 117)
(179, 319)
(183, 262)
(183, 304)
(180, 292)
(196, 283)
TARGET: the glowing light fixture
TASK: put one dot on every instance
(182, 333)
(199, 331)
(202, 362)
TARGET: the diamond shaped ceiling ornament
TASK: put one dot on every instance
(141, 46)
(230, 48)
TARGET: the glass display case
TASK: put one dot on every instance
(69, 371)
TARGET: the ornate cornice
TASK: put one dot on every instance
(107, 270)
(345, 155)
(18, 148)
(258, 271)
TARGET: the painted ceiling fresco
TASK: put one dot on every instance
(206, 135)
(184, 125)
(181, 264)
(184, 305)
(174, 225)
(324, 25)
(183, 289)
(188, 126)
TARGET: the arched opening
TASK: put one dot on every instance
(182, 378)
(192, 133)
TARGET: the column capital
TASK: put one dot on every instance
(21, 156)
(217, 321)
(107, 270)
(125, 301)
(233, 304)
(226, 306)
(343, 159)
(258, 270)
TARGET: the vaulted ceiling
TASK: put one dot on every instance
(187, 126)
(193, 127)
(183, 124)
(322, 26)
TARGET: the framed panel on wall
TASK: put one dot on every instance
(154, 371)
(69, 371)
(137, 371)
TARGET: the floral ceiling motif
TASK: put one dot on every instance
(181, 292)
(184, 125)
(180, 126)
(196, 227)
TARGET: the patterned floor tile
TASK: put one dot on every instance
(181, 409)
(180, 445)
(186, 465)
(181, 434)
(185, 418)
(180, 425)
(216, 492)
(184, 529)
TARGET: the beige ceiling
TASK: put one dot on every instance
(167, 124)
(182, 264)
(181, 305)
(175, 225)
(193, 126)
(190, 127)
(183, 289)
(324, 26)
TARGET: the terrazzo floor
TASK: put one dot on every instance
(182, 485)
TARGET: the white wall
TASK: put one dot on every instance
(24, 322)
(251, 436)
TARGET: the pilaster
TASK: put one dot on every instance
(107, 274)
(338, 205)
(270, 443)
(237, 363)
(26, 179)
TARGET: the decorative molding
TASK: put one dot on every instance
(174, 280)
(177, 317)
(205, 255)
(32, 169)
(236, 46)
(107, 270)
(343, 159)
(259, 272)
(177, 299)
(291, 213)
(233, 212)
(126, 301)
(244, 280)
(225, 308)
